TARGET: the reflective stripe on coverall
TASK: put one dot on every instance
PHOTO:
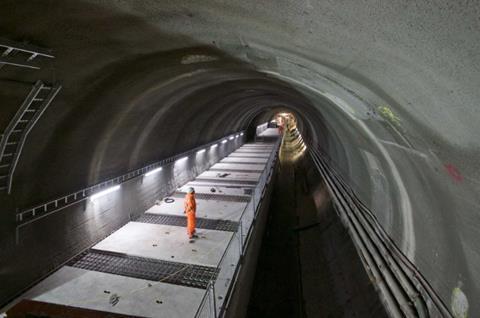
(190, 209)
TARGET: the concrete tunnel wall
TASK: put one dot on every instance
(387, 89)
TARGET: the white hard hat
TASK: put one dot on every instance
(190, 190)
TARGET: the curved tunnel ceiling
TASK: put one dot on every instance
(387, 89)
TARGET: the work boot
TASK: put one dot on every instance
(194, 236)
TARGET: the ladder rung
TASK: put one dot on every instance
(23, 121)
(11, 143)
(38, 99)
(7, 155)
(3, 177)
(34, 55)
(7, 51)
(16, 130)
(4, 166)
(30, 110)
(3, 188)
(46, 87)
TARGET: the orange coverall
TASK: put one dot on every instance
(190, 209)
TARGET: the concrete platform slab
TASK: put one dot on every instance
(86, 289)
(248, 155)
(256, 146)
(167, 242)
(249, 160)
(226, 189)
(270, 132)
(237, 166)
(269, 145)
(253, 150)
(230, 176)
(209, 209)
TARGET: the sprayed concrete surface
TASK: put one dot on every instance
(143, 80)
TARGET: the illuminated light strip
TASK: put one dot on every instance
(182, 159)
(237, 136)
(224, 141)
(231, 137)
(241, 134)
(153, 171)
(213, 146)
(201, 151)
(104, 192)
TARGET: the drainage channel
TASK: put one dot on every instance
(190, 275)
(201, 223)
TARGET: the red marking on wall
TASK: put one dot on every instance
(454, 172)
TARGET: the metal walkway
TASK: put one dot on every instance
(21, 54)
(201, 223)
(145, 268)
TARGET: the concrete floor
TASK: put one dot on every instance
(231, 176)
(87, 289)
(269, 132)
(221, 184)
(90, 289)
(245, 159)
(249, 154)
(237, 166)
(205, 187)
(167, 243)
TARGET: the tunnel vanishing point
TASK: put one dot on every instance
(95, 95)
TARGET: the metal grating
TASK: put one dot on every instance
(176, 220)
(218, 197)
(190, 275)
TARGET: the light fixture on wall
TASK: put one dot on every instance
(104, 192)
(153, 171)
(201, 151)
(214, 146)
(224, 141)
(241, 134)
(182, 159)
(231, 137)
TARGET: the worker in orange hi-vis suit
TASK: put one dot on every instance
(190, 210)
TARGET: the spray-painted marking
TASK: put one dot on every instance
(459, 303)
(454, 172)
(407, 149)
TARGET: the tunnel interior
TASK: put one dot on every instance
(386, 93)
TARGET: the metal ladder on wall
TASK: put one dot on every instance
(14, 136)
(13, 51)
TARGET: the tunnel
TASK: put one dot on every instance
(373, 181)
